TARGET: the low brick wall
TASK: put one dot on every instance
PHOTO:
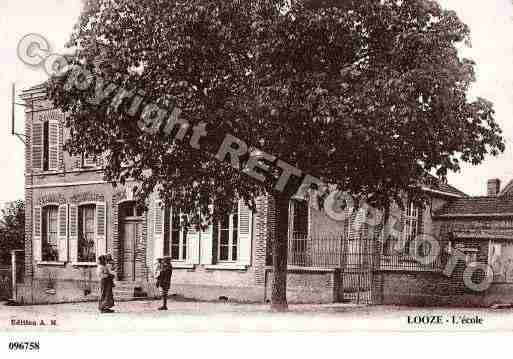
(499, 293)
(308, 285)
(423, 289)
(38, 291)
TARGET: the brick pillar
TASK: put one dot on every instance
(144, 245)
(115, 235)
(29, 197)
(261, 238)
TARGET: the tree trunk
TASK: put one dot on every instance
(280, 253)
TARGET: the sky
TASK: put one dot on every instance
(490, 22)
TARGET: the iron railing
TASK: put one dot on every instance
(359, 254)
(306, 251)
(411, 256)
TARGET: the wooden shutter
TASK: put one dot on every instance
(245, 233)
(53, 145)
(73, 233)
(63, 232)
(61, 144)
(101, 228)
(158, 230)
(36, 242)
(207, 245)
(193, 245)
(37, 145)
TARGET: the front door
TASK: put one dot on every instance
(131, 235)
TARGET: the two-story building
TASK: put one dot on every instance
(73, 215)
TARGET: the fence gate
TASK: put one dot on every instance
(356, 270)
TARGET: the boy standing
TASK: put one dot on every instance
(164, 280)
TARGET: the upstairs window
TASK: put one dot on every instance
(45, 145)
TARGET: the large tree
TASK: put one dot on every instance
(368, 96)
(12, 229)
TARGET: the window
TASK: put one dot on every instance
(177, 237)
(228, 234)
(45, 144)
(86, 233)
(298, 228)
(411, 223)
(50, 250)
(130, 209)
(299, 219)
(89, 161)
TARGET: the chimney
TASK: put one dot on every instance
(493, 187)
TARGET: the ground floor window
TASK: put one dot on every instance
(228, 229)
(86, 234)
(410, 226)
(50, 250)
(177, 237)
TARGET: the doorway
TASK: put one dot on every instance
(130, 235)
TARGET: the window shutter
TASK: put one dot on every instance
(158, 230)
(207, 244)
(101, 228)
(73, 233)
(37, 145)
(53, 145)
(245, 237)
(36, 243)
(63, 232)
(61, 144)
(193, 247)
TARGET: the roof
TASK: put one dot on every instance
(486, 206)
(436, 185)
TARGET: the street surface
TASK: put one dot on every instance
(188, 316)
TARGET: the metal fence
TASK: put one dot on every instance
(319, 252)
(411, 256)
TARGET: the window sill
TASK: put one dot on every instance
(46, 172)
(84, 264)
(226, 266)
(182, 265)
(51, 263)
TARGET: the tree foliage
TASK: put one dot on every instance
(369, 96)
(12, 229)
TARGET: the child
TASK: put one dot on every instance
(106, 300)
(158, 268)
(165, 270)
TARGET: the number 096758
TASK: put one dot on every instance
(30, 346)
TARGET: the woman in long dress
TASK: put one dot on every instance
(105, 301)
